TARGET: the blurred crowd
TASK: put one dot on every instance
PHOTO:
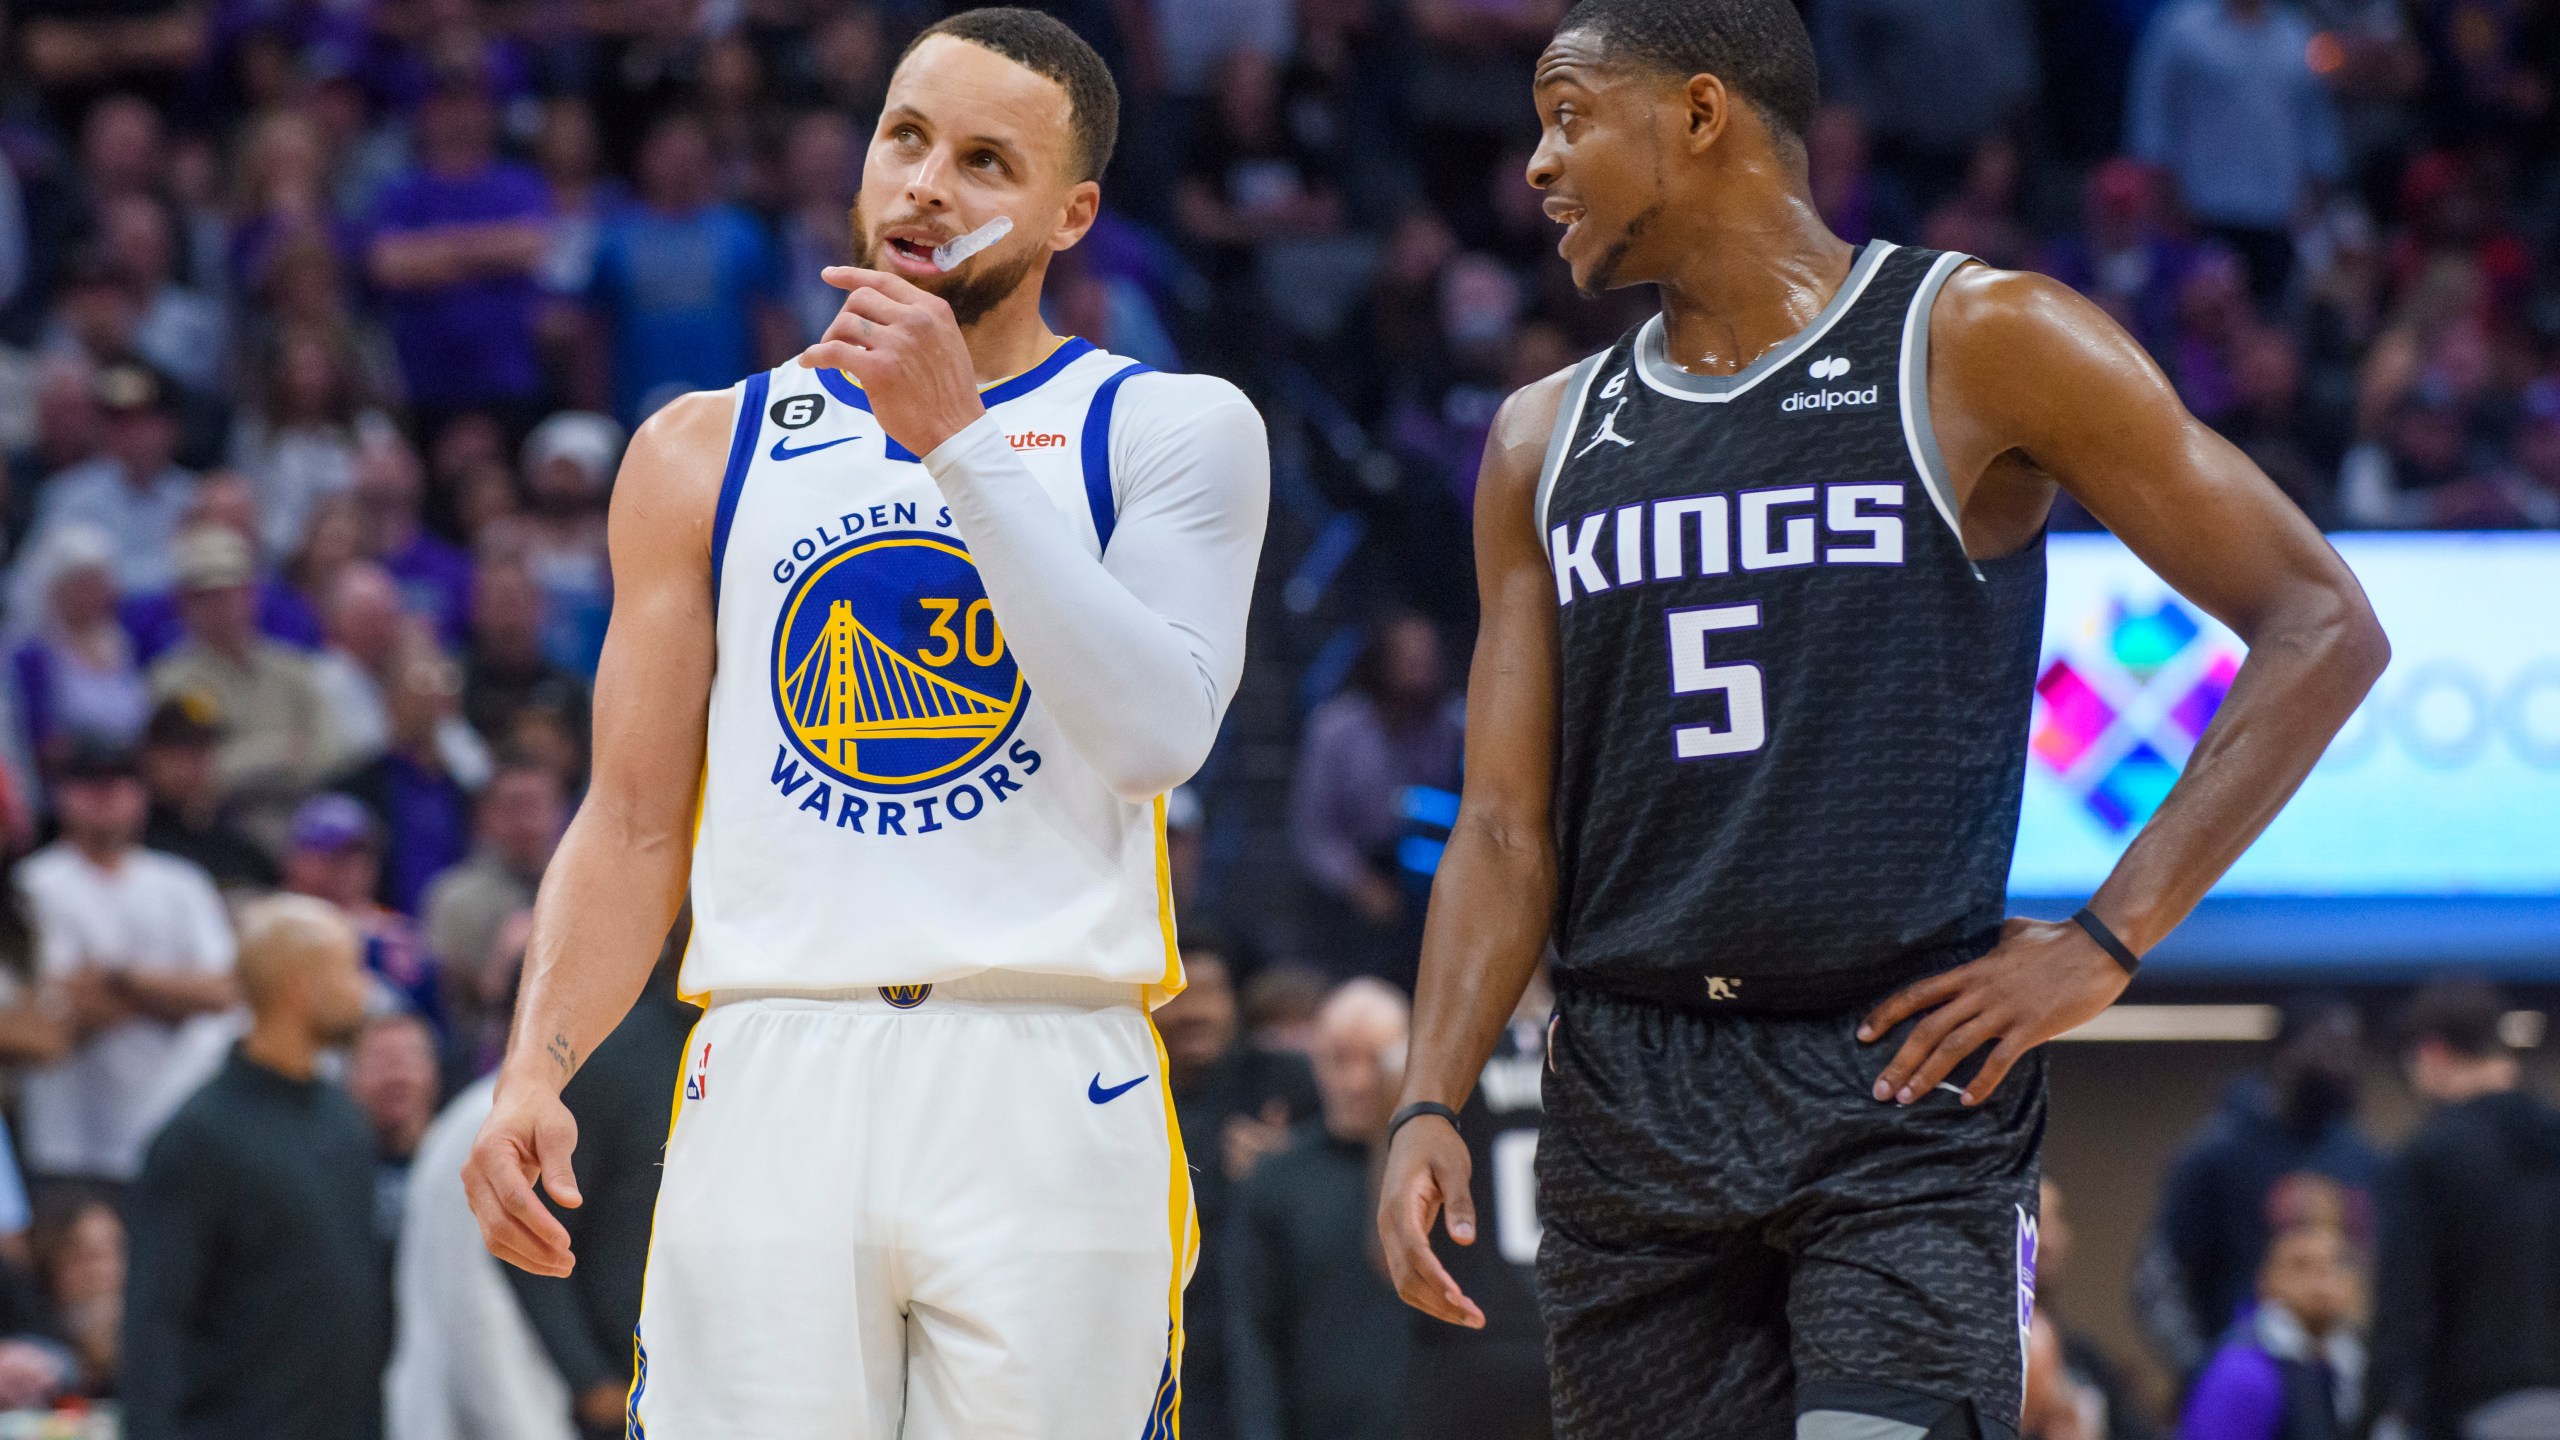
(323, 324)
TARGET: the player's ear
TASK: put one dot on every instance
(1084, 205)
(1710, 111)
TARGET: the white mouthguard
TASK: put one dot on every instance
(951, 254)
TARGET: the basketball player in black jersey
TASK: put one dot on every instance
(1762, 585)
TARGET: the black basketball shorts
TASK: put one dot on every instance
(1743, 1244)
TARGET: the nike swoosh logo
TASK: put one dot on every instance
(1100, 1095)
(782, 448)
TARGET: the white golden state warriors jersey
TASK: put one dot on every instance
(884, 801)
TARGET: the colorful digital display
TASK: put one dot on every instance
(2446, 782)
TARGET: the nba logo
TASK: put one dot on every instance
(697, 1083)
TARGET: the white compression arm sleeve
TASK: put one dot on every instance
(1137, 654)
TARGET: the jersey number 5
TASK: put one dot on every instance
(1746, 726)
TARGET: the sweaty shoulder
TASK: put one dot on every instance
(670, 478)
(1516, 448)
(2017, 333)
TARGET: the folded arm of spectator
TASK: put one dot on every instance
(64, 52)
(172, 998)
(447, 254)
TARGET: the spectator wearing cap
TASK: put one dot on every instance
(224, 498)
(75, 671)
(131, 944)
(414, 788)
(133, 489)
(456, 247)
(568, 474)
(2223, 97)
(506, 671)
(2464, 1347)
(516, 824)
(188, 818)
(687, 286)
(276, 734)
(333, 852)
(256, 1303)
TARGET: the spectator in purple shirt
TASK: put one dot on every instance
(1395, 727)
(424, 810)
(435, 577)
(2293, 1368)
(456, 247)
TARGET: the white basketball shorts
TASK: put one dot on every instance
(949, 1212)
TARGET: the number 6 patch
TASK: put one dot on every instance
(798, 412)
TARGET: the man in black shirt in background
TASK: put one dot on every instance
(257, 1304)
(1317, 1343)
(1236, 1102)
(623, 1100)
(2466, 1342)
(1491, 1384)
(188, 818)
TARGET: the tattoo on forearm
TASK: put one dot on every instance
(562, 1054)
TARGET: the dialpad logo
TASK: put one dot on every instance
(2123, 704)
(1829, 367)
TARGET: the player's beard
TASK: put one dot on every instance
(983, 282)
(1604, 271)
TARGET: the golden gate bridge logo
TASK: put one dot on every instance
(889, 669)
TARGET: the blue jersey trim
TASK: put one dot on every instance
(742, 453)
(1097, 452)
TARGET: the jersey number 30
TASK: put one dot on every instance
(1746, 725)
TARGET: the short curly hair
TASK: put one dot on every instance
(1758, 48)
(1044, 45)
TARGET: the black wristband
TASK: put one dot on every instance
(2116, 949)
(1416, 1111)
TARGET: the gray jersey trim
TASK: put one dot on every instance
(1850, 1425)
(1653, 360)
(1577, 391)
(1916, 429)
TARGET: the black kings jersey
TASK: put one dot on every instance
(1793, 714)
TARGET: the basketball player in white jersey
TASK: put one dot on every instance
(909, 641)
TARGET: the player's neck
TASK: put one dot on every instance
(1010, 338)
(1753, 274)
